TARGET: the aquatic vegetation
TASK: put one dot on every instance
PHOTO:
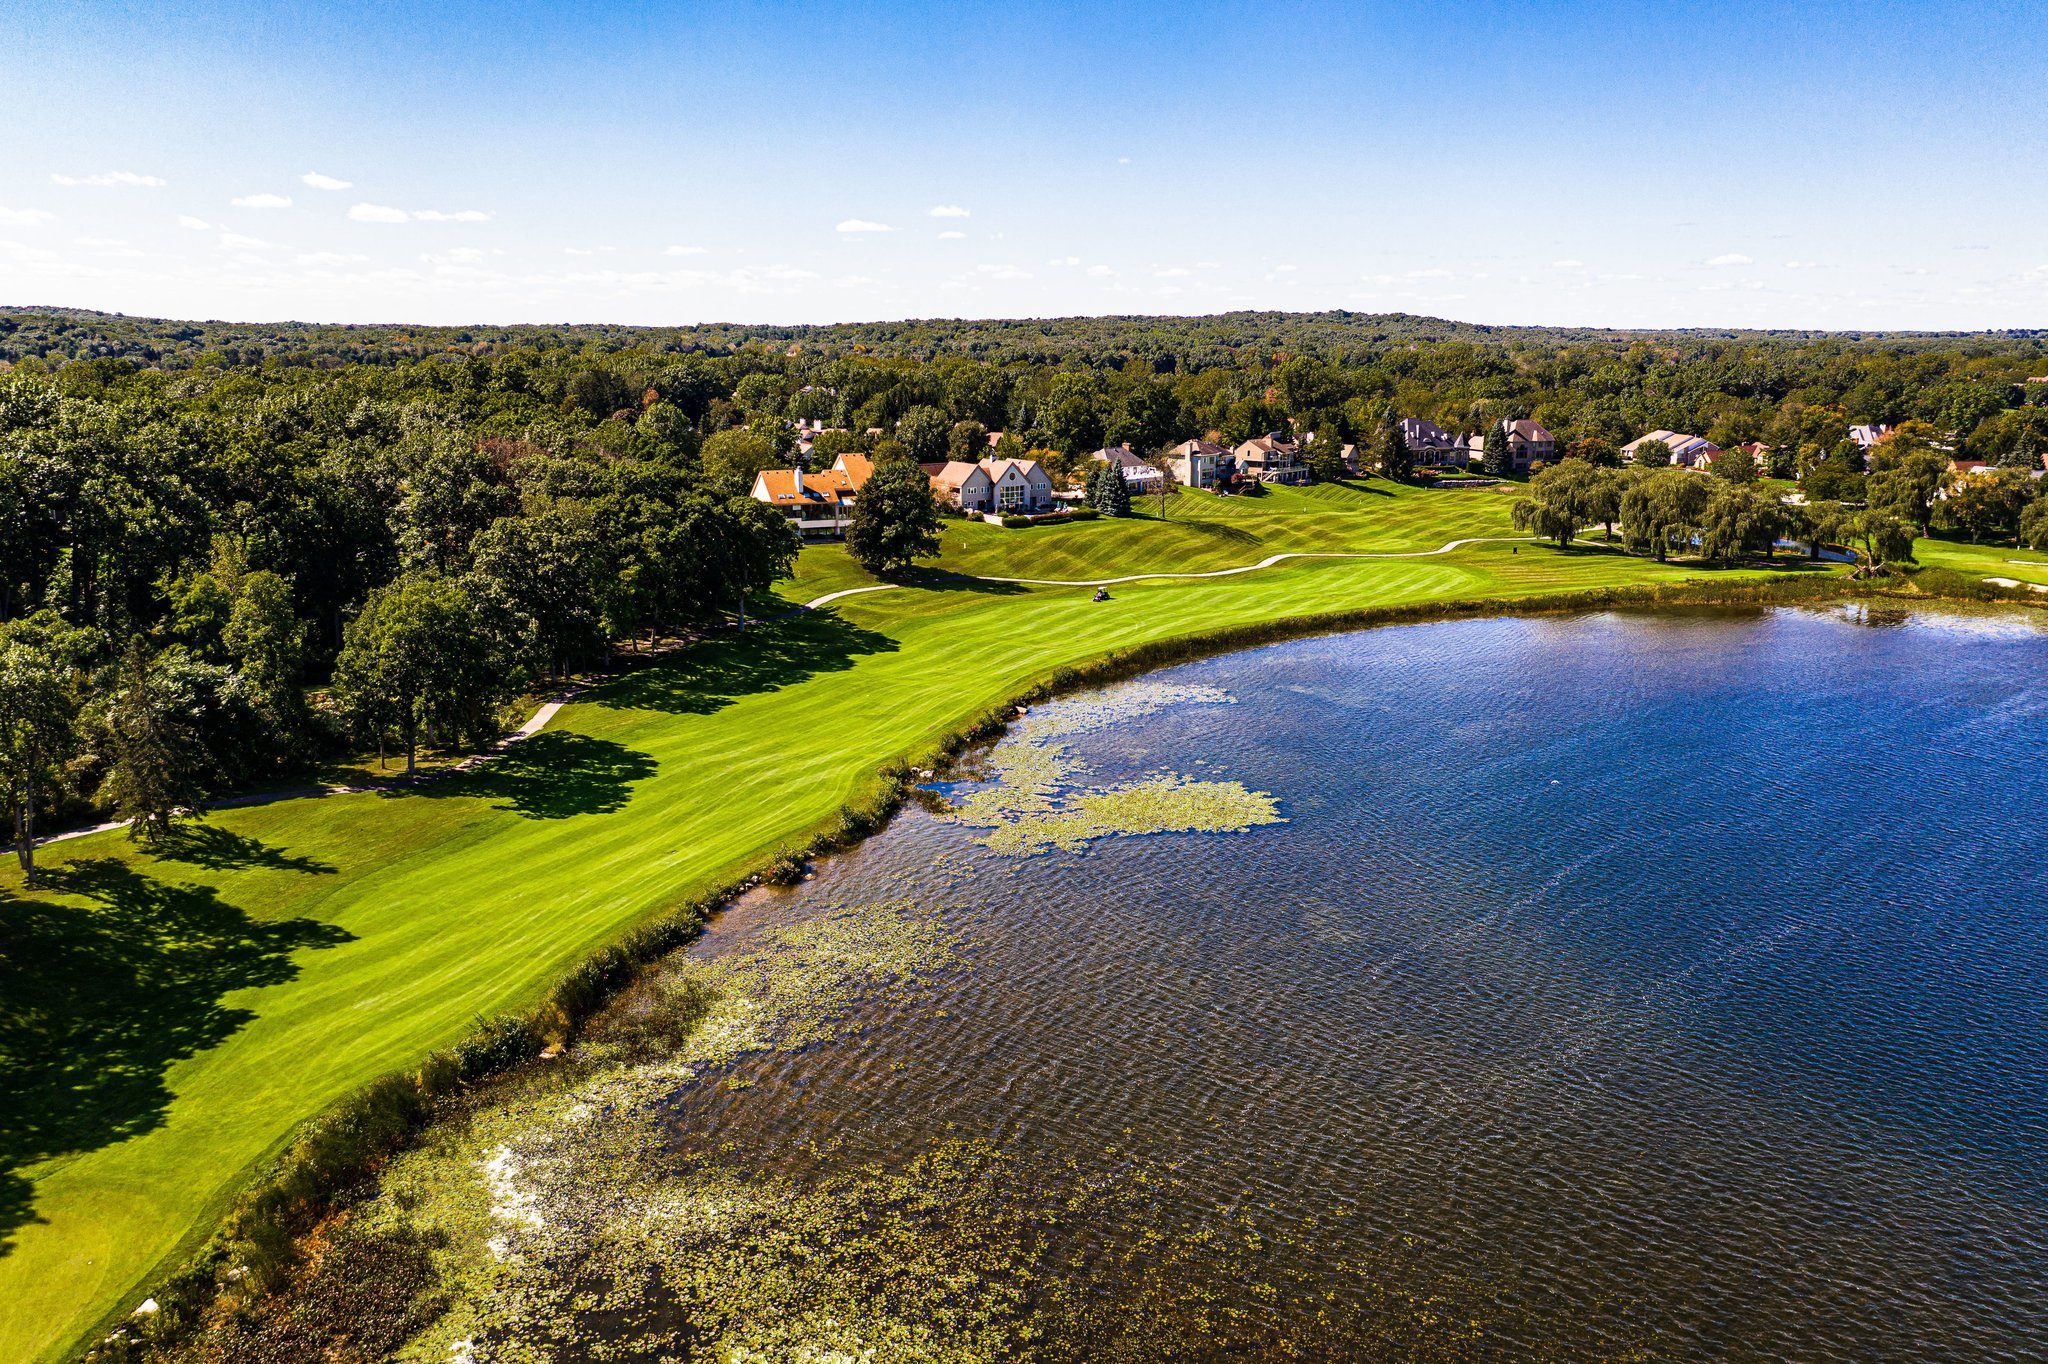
(1034, 803)
(558, 1219)
(1168, 804)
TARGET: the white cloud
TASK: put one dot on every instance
(108, 179)
(1176, 272)
(235, 241)
(1799, 265)
(854, 282)
(192, 224)
(1730, 258)
(1100, 271)
(319, 181)
(948, 211)
(25, 217)
(586, 250)
(1002, 272)
(456, 255)
(382, 213)
(862, 225)
(1283, 269)
(952, 236)
(262, 201)
(1205, 265)
(1436, 272)
(328, 259)
(684, 251)
(1567, 265)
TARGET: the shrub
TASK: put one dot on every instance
(497, 1044)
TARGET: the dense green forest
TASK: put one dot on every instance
(203, 520)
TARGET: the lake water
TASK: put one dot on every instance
(1659, 986)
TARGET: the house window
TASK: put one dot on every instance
(1009, 497)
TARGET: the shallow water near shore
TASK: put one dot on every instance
(1620, 986)
(1625, 984)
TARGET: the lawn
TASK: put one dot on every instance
(166, 1020)
(1202, 531)
(1990, 561)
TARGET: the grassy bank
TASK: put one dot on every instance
(172, 1018)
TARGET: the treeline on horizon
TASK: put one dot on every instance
(203, 520)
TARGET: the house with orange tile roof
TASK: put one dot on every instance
(818, 505)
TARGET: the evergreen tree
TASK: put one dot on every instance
(156, 756)
(1113, 494)
(1390, 452)
(1496, 458)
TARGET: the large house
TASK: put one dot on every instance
(999, 486)
(1867, 436)
(1529, 442)
(1271, 458)
(1430, 446)
(963, 485)
(818, 505)
(1198, 463)
(1687, 452)
(1139, 476)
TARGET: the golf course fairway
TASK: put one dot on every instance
(171, 1019)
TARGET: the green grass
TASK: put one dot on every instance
(1203, 532)
(165, 1021)
(1984, 561)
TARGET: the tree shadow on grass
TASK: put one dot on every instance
(713, 673)
(218, 849)
(103, 986)
(922, 579)
(553, 775)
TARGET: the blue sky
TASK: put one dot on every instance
(1679, 164)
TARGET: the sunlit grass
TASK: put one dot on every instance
(378, 928)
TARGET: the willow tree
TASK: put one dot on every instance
(1564, 497)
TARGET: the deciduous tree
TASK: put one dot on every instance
(37, 733)
(895, 521)
(1661, 510)
(925, 432)
(1738, 520)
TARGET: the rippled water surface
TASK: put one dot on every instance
(1637, 985)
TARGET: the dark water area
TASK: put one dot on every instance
(1659, 986)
